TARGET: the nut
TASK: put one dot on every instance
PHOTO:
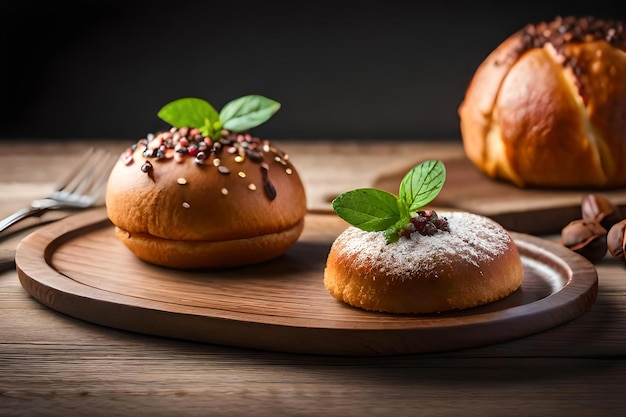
(615, 240)
(587, 238)
(600, 209)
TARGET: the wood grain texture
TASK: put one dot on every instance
(53, 364)
(76, 266)
(530, 210)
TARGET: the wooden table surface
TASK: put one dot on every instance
(55, 365)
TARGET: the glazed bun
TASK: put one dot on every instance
(547, 107)
(184, 201)
(473, 263)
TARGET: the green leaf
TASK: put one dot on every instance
(247, 112)
(392, 234)
(190, 112)
(368, 209)
(421, 185)
(375, 210)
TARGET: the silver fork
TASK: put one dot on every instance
(79, 188)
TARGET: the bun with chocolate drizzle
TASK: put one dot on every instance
(185, 199)
(547, 108)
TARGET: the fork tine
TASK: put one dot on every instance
(71, 178)
(91, 172)
(97, 191)
(87, 177)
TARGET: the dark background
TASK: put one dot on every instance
(341, 70)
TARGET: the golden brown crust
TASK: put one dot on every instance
(183, 254)
(475, 263)
(165, 207)
(552, 114)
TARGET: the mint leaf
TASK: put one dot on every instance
(392, 233)
(421, 185)
(238, 115)
(247, 112)
(375, 210)
(367, 208)
(191, 112)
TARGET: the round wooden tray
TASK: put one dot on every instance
(77, 267)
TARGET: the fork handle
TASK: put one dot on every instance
(21, 215)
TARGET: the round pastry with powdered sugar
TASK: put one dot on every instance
(467, 261)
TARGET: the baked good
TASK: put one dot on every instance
(184, 200)
(469, 262)
(547, 107)
(227, 203)
(399, 257)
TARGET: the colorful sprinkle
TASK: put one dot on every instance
(146, 167)
(184, 142)
(127, 156)
(254, 155)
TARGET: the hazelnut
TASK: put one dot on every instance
(600, 209)
(587, 238)
(615, 240)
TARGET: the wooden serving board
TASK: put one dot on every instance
(77, 267)
(533, 211)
